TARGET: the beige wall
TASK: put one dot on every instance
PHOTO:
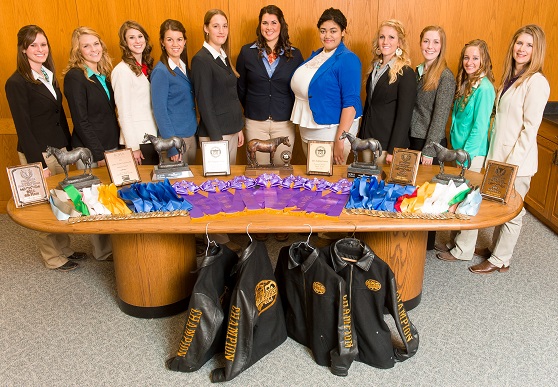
(494, 22)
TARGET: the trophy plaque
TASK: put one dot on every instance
(28, 184)
(404, 166)
(168, 169)
(498, 181)
(122, 167)
(268, 146)
(215, 156)
(363, 168)
(320, 158)
(65, 158)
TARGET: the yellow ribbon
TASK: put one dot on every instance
(108, 197)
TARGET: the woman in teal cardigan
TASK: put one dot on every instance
(472, 109)
(474, 99)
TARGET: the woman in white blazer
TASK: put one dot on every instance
(520, 103)
(132, 90)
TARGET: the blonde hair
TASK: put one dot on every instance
(464, 82)
(206, 20)
(76, 58)
(432, 77)
(402, 60)
(535, 65)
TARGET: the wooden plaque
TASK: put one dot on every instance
(404, 166)
(122, 167)
(498, 181)
(28, 184)
(320, 158)
(215, 155)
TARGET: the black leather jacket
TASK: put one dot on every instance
(371, 288)
(316, 306)
(256, 323)
(205, 322)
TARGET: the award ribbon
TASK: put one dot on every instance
(75, 197)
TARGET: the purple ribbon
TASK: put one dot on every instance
(293, 182)
(201, 204)
(316, 184)
(241, 182)
(268, 180)
(214, 185)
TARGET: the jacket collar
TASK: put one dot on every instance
(353, 249)
(213, 254)
(341, 49)
(303, 255)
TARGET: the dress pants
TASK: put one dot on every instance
(54, 248)
(266, 130)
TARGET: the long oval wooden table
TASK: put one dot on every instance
(154, 258)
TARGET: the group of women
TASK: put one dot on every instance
(272, 89)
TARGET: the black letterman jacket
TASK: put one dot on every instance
(316, 306)
(205, 319)
(371, 288)
(256, 323)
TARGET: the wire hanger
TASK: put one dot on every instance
(209, 241)
(309, 235)
(248, 233)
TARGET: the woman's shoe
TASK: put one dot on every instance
(68, 266)
(486, 267)
(483, 252)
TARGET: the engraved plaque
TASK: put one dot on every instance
(498, 180)
(404, 166)
(320, 158)
(28, 184)
(215, 155)
(122, 167)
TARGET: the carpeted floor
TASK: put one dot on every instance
(65, 329)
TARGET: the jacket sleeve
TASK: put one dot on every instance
(349, 82)
(160, 83)
(482, 110)
(407, 331)
(16, 94)
(346, 351)
(241, 83)
(75, 90)
(122, 84)
(440, 114)
(202, 76)
(406, 96)
(536, 97)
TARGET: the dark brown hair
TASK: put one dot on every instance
(283, 43)
(127, 56)
(172, 25)
(25, 36)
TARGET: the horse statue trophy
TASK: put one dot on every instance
(268, 146)
(449, 155)
(168, 169)
(361, 168)
(65, 158)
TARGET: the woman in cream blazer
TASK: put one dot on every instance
(520, 104)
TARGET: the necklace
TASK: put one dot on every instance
(45, 74)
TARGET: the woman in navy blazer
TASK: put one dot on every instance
(91, 99)
(391, 90)
(327, 89)
(215, 86)
(172, 95)
(265, 68)
(90, 96)
(36, 104)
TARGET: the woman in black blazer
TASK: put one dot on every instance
(391, 90)
(91, 99)
(36, 104)
(215, 86)
(266, 68)
(90, 96)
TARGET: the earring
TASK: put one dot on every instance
(163, 48)
(378, 51)
(399, 51)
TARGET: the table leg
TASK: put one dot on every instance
(153, 273)
(405, 253)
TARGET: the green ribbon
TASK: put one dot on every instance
(75, 196)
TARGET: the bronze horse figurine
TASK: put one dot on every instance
(266, 146)
(444, 154)
(163, 144)
(65, 157)
(358, 144)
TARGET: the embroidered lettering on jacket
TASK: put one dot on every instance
(189, 331)
(318, 288)
(405, 324)
(373, 285)
(266, 295)
(347, 331)
(232, 333)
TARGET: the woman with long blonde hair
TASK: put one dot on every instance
(520, 103)
(390, 91)
(132, 90)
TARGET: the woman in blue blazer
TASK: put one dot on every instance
(327, 89)
(172, 95)
(391, 90)
(35, 102)
(265, 68)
